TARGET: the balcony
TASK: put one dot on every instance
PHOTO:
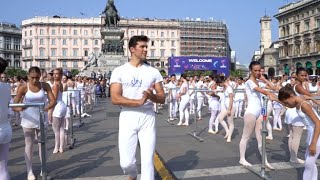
(28, 58)
(69, 58)
(27, 46)
(41, 57)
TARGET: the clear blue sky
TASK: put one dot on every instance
(241, 16)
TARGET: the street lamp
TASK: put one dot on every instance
(220, 48)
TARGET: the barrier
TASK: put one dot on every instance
(70, 126)
(262, 173)
(43, 137)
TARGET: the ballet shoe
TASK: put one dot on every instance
(229, 139)
(31, 176)
(245, 163)
(211, 131)
(299, 161)
(60, 150)
(269, 166)
(179, 124)
(269, 137)
(55, 151)
(185, 124)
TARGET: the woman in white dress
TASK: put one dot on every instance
(33, 92)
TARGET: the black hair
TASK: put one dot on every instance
(184, 76)
(211, 77)
(220, 79)
(34, 69)
(253, 63)
(285, 92)
(135, 39)
(172, 75)
(3, 65)
(300, 69)
(241, 78)
(265, 76)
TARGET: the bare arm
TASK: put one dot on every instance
(159, 97)
(307, 108)
(21, 91)
(118, 99)
(51, 97)
(303, 91)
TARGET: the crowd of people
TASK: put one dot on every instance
(139, 89)
(59, 91)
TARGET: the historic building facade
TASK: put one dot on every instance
(10, 44)
(299, 36)
(50, 42)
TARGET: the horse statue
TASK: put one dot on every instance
(111, 14)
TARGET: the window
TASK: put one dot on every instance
(96, 32)
(25, 33)
(41, 32)
(161, 43)
(54, 64)
(85, 42)
(64, 42)
(41, 42)
(297, 28)
(41, 52)
(86, 53)
(162, 34)
(53, 32)
(152, 43)
(30, 32)
(64, 64)
(75, 32)
(172, 43)
(266, 25)
(96, 42)
(132, 33)
(25, 53)
(25, 65)
(152, 52)
(53, 42)
(42, 64)
(162, 64)
(162, 52)
(64, 52)
(152, 33)
(53, 52)
(64, 32)
(172, 34)
(75, 42)
(75, 52)
(173, 52)
(86, 32)
(306, 26)
(142, 33)
(30, 52)
(75, 64)
(318, 23)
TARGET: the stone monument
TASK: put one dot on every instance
(112, 54)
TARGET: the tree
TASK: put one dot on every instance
(74, 72)
(236, 73)
(163, 72)
(15, 72)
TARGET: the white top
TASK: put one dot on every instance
(30, 117)
(134, 81)
(309, 123)
(226, 94)
(60, 108)
(313, 89)
(4, 102)
(200, 85)
(239, 95)
(184, 85)
(172, 86)
(254, 97)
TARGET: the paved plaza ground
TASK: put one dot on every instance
(95, 155)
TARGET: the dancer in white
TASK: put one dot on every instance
(192, 86)
(59, 112)
(184, 97)
(173, 104)
(227, 107)
(200, 97)
(33, 92)
(5, 127)
(239, 98)
(214, 107)
(252, 116)
(293, 119)
(310, 118)
(130, 89)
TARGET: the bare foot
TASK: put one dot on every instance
(245, 163)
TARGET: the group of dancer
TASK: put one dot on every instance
(226, 97)
(58, 91)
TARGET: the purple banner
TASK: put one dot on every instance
(180, 64)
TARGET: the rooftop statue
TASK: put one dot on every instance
(111, 14)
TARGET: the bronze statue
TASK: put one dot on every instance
(111, 14)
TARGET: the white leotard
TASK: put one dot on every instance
(254, 99)
(60, 109)
(291, 116)
(309, 123)
(30, 117)
(226, 93)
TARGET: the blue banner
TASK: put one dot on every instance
(180, 64)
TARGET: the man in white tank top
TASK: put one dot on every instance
(130, 89)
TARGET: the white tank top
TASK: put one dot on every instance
(30, 117)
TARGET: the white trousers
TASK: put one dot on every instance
(134, 126)
(173, 107)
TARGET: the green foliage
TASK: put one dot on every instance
(198, 73)
(74, 72)
(163, 72)
(236, 73)
(15, 72)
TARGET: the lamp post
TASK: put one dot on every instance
(220, 48)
